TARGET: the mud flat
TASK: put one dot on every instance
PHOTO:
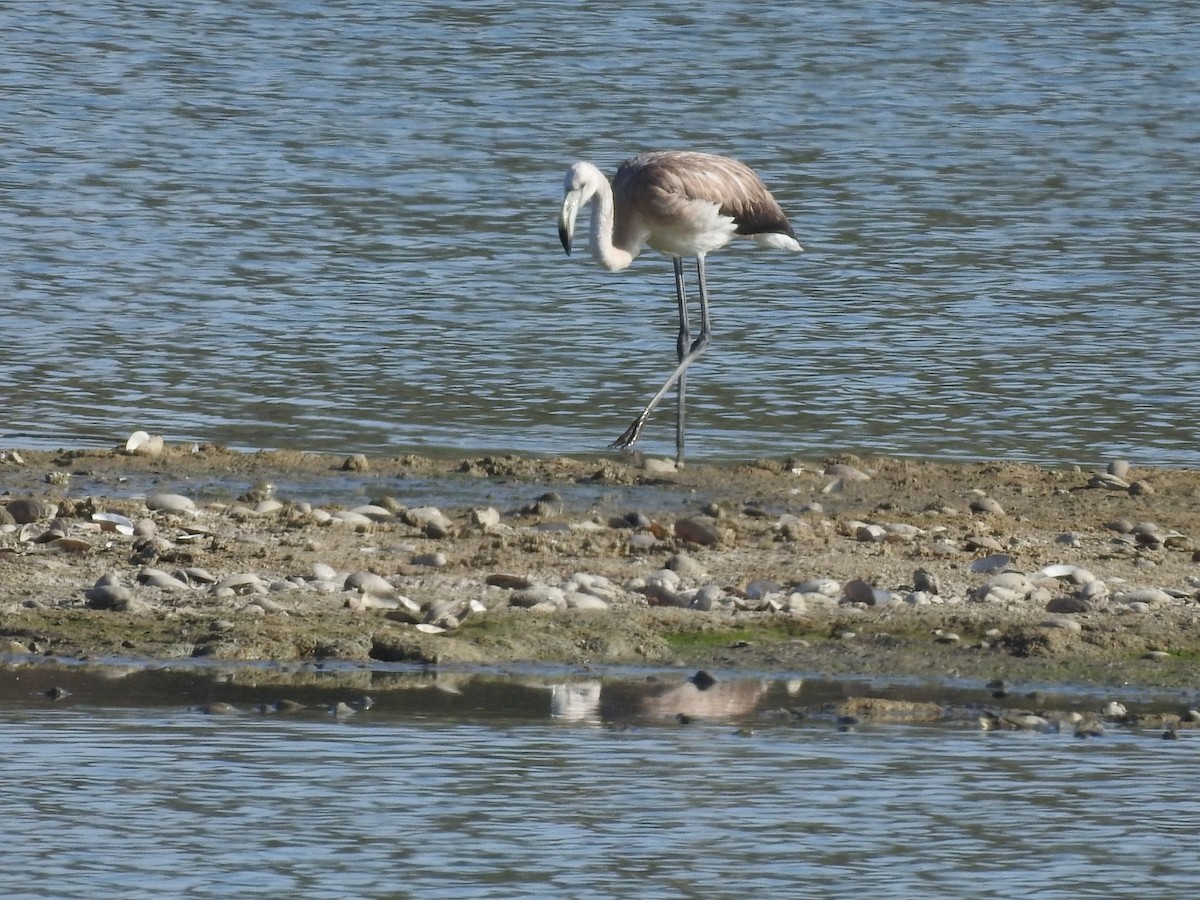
(849, 566)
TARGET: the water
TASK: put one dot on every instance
(331, 226)
(479, 786)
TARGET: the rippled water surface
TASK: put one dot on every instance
(487, 787)
(331, 225)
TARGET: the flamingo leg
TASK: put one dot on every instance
(634, 431)
(682, 345)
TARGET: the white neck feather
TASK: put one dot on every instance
(601, 199)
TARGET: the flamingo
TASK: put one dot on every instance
(681, 203)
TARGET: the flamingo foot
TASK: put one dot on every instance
(630, 434)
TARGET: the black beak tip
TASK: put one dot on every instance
(565, 238)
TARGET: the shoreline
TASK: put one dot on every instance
(872, 567)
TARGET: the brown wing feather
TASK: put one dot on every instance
(663, 181)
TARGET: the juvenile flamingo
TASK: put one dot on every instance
(681, 203)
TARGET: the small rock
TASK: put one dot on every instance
(686, 567)
(576, 600)
(924, 580)
(240, 584)
(991, 563)
(826, 586)
(705, 597)
(170, 503)
(324, 572)
(846, 472)
(697, 530)
(108, 596)
(356, 462)
(537, 595)
(368, 583)
(508, 581)
(1118, 467)
(430, 520)
(858, 591)
(349, 517)
(1068, 605)
(656, 466)
(160, 579)
(28, 510)
(1110, 482)
(986, 506)
(486, 518)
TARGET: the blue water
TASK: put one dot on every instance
(466, 787)
(331, 226)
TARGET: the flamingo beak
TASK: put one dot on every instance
(566, 221)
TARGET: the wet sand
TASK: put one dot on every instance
(874, 567)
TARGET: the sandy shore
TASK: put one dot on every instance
(846, 566)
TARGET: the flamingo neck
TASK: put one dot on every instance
(604, 251)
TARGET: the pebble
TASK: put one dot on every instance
(537, 595)
(1118, 467)
(699, 530)
(656, 466)
(509, 581)
(170, 503)
(349, 517)
(195, 575)
(1147, 596)
(371, 601)
(29, 510)
(585, 601)
(986, 506)
(1068, 605)
(761, 588)
(368, 583)
(927, 582)
(858, 591)
(160, 579)
(324, 572)
(374, 512)
(991, 563)
(686, 567)
(661, 588)
(266, 604)
(356, 462)
(430, 520)
(241, 584)
(108, 593)
(594, 585)
(486, 518)
(846, 472)
(825, 586)
(1062, 622)
(1108, 481)
(705, 598)
(141, 443)
(109, 521)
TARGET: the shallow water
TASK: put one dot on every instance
(566, 786)
(331, 226)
